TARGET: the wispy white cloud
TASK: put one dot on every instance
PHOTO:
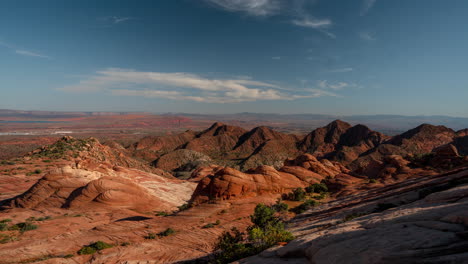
(31, 54)
(118, 20)
(251, 7)
(324, 84)
(110, 21)
(366, 36)
(318, 24)
(294, 10)
(312, 22)
(276, 58)
(23, 52)
(187, 86)
(349, 69)
(367, 6)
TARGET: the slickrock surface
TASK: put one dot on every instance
(229, 183)
(118, 187)
(423, 220)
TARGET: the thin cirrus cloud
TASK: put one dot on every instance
(312, 22)
(340, 70)
(367, 6)
(251, 7)
(23, 52)
(188, 87)
(294, 9)
(324, 84)
(366, 36)
(31, 54)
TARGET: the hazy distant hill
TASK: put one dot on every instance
(390, 124)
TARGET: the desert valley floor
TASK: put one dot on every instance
(348, 194)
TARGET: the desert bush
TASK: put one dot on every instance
(352, 216)
(151, 236)
(317, 188)
(6, 238)
(162, 213)
(321, 196)
(166, 232)
(94, 247)
(23, 227)
(280, 206)
(211, 225)
(184, 207)
(266, 231)
(305, 206)
(297, 194)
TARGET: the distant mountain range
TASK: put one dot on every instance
(389, 124)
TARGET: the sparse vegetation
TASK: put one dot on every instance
(279, 206)
(184, 207)
(151, 236)
(23, 227)
(297, 194)
(305, 206)
(94, 247)
(162, 213)
(61, 147)
(6, 162)
(166, 232)
(6, 238)
(266, 231)
(317, 188)
(211, 225)
(352, 216)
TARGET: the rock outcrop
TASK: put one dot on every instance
(422, 221)
(229, 183)
(115, 187)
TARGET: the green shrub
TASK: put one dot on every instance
(162, 213)
(23, 227)
(166, 232)
(305, 206)
(321, 196)
(263, 215)
(352, 216)
(6, 238)
(151, 236)
(317, 188)
(184, 207)
(266, 231)
(373, 181)
(94, 247)
(37, 171)
(87, 250)
(210, 225)
(3, 226)
(280, 206)
(297, 194)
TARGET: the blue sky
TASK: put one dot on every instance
(225, 56)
